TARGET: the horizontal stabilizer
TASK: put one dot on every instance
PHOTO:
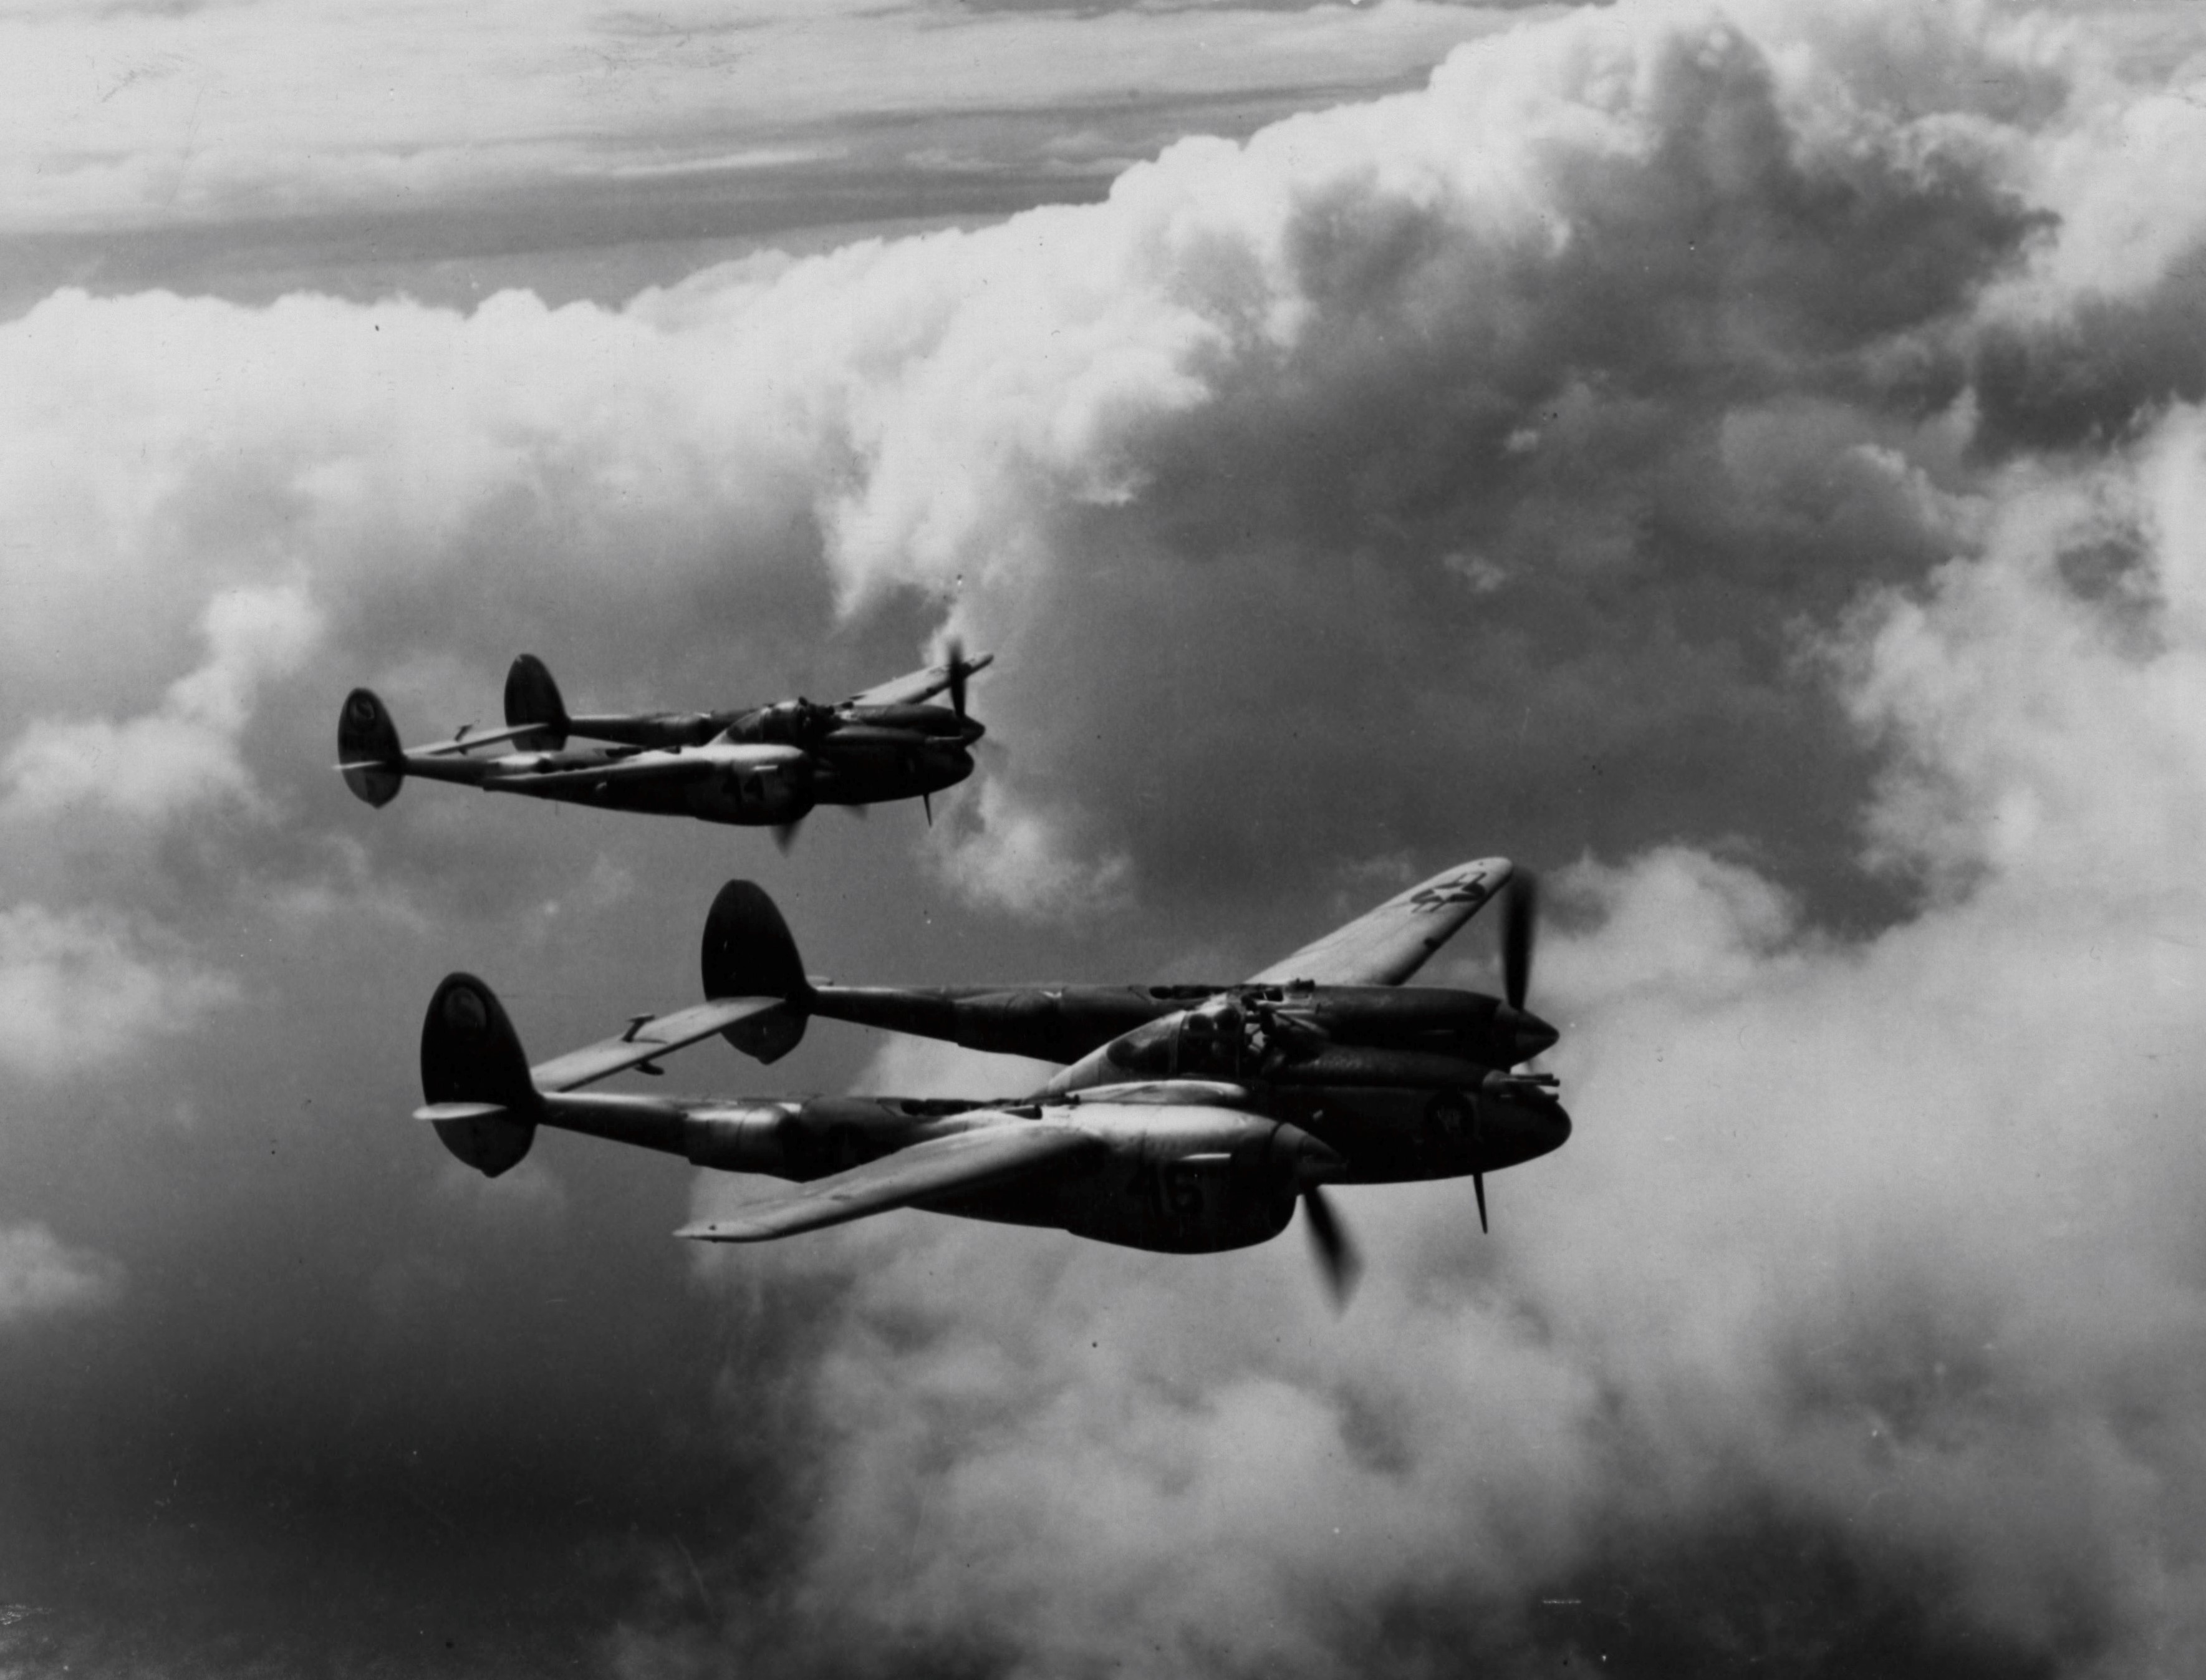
(648, 1037)
(469, 739)
(965, 1162)
(438, 1113)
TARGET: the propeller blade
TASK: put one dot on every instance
(958, 675)
(1478, 1189)
(859, 811)
(1337, 1256)
(1520, 917)
(784, 833)
(927, 804)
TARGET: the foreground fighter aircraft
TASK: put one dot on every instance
(760, 766)
(1190, 1120)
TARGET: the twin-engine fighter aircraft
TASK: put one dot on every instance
(762, 766)
(1190, 1120)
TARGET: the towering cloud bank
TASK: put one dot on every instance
(1757, 456)
(1861, 1327)
(1468, 459)
(1724, 369)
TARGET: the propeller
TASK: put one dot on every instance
(784, 833)
(1520, 916)
(959, 673)
(1520, 920)
(1337, 1256)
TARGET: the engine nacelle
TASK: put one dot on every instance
(1352, 1065)
(1192, 1180)
(1469, 1026)
(1225, 1038)
(755, 785)
(739, 1137)
(1187, 1206)
(923, 721)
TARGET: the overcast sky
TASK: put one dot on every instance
(1748, 461)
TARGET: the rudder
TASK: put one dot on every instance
(531, 696)
(368, 752)
(471, 1056)
(748, 952)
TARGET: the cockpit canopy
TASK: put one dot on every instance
(1209, 1041)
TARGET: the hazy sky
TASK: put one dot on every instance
(1748, 460)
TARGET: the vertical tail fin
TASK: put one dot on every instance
(472, 1063)
(531, 696)
(368, 752)
(748, 953)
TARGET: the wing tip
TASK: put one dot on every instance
(716, 1230)
(1488, 875)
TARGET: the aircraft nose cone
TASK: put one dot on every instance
(1308, 1158)
(1525, 1032)
(1539, 1125)
(972, 729)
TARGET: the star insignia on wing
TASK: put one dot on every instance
(1445, 892)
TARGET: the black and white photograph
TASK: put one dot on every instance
(1342, 841)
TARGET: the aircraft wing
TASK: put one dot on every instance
(918, 686)
(643, 768)
(964, 1161)
(648, 1037)
(1385, 946)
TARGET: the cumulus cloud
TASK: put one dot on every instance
(1203, 462)
(124, 119)
(1875, 1262)
(183, 754)
(1756, 455)
(1884, 1249)
(929, 1067)
(995, 851)
(41, 1276)
(1275, 390)
(80, 987)
(1277, 458)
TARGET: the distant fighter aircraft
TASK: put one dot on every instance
(764, 765)
(1190, 1120)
